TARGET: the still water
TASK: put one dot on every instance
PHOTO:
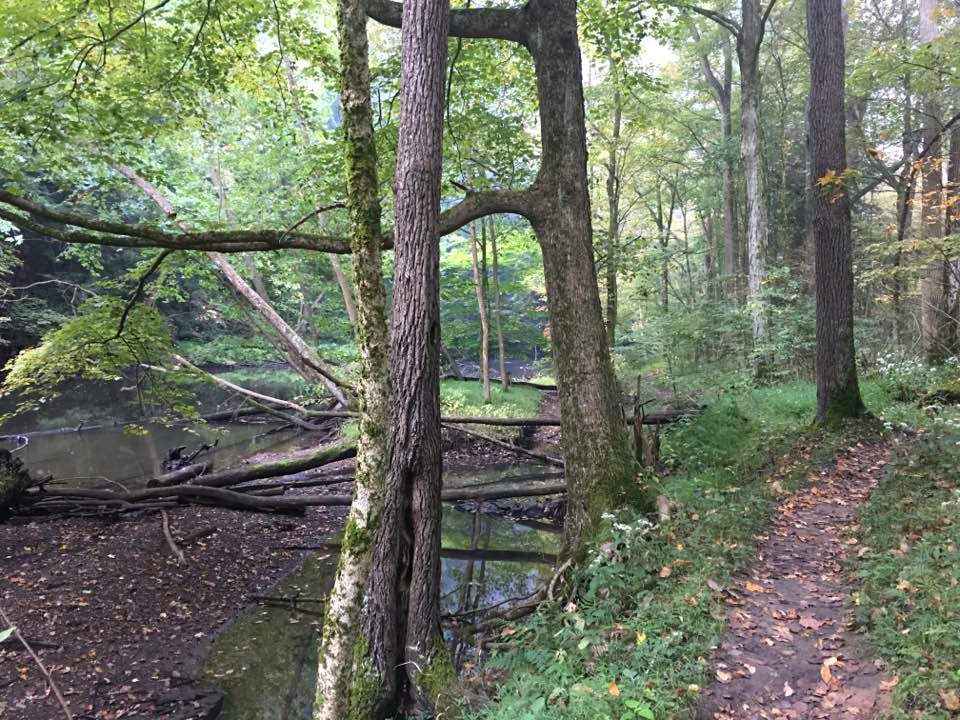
(265, 663)
(112, 449)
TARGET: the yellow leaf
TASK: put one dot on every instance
(641, 638)
(724, 677)
(613, 689)
(753, 587)
(888, 685)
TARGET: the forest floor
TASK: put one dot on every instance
(790, 651)
(122, 626)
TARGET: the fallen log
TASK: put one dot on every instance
(243, 501)
(509, 446)
(450, 553)
(178, 476)
(246, 473)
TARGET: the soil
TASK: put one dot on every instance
(121, 626)
(791, 651)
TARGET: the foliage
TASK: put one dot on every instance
(909, 576)
(633, 640)
(94, 346)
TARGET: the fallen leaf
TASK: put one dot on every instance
(641, 638)
(825, 673)
(665, 571)
(724, 677)
(888, 685)
(715, 586)
(787, 690)
(950, 700)
(753, 587)
(810, 622)
(613, 689)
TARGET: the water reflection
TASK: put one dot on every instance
(265, 663)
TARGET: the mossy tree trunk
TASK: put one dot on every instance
(343, 665)
(838, 393)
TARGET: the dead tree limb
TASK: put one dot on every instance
(36, 659)
(509, 446)
(171, 543)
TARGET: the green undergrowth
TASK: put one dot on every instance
(909, 596)
(458, 397)
(634, 640)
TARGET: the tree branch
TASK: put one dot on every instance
(718, 18)
(492, 23)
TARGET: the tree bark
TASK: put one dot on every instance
(838, 394)
(613, 207)
(482, 308)
(497, 310)
(952, 230)
(408, 659)
(748, 51)
(933, 296)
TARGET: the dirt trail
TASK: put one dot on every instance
(789, 652)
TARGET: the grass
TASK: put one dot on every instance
(458, 397)
(909, 578)
(635, 640)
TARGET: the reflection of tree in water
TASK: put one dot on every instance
(470, 586)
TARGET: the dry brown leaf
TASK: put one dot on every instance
(723, 676)
(825, 673)
(787, 690)
(613, 689)
(810, 622)
(753, 587)
(888, 685)
(950, 700)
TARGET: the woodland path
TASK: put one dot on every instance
(789, 651)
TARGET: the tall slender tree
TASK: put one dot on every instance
(341, 650)
(838, 393)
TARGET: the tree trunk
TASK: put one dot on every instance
(748, 49)
(501, 351)
(933, 296)
(343, 653)
(905, 193)
(838, 394)
(410, 662)
(599, 468)
(600, 471)
(613, 208)
(723, 93)
(953, 229)
(482, 307)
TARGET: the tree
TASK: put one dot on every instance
(599, 468)
(341, 649)
(480, 284)
(749, 34)
(404, 650)
(722, 88)
(497, 310)
(838, 394)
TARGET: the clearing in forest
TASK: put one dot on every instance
(789, 652)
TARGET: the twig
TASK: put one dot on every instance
(46, 673)
(171, 543)
(553, 581)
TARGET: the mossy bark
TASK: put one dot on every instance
(345, 677)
